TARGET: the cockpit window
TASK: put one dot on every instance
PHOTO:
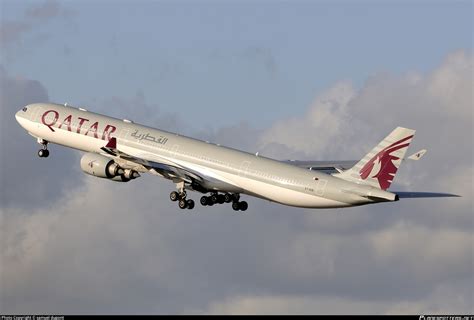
(24, 109)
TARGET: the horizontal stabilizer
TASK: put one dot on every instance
(407, 195)
(417, 155)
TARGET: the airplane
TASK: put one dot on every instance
(121, 150)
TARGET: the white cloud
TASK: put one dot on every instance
(275, 305)
(47, 179)
(445, 299)
(319, 129)
(452, 84)
(424, 252)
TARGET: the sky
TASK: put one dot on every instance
(314, 80)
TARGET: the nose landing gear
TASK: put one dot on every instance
(44, 152)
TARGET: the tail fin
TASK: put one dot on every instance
(379, 166)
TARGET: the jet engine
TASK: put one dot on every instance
(100, 166)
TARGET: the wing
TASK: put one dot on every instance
(151, 162)
(166, 168)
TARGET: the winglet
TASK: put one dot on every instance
(112, 144)
(417, 155)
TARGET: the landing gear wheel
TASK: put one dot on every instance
(235, 206)
(243, 205)
(174, 196)
(227, 198)
(43, 153)
(214, 198)
(210, 202)
(182, 204)
(220, 199)
(204, 201)
(190, 204)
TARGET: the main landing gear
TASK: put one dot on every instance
(183, 203)
(44, 152)
(216, 198)
(180, 196)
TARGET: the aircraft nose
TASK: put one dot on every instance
(17, 115)
(21, 115)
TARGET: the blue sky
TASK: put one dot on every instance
(228, 61)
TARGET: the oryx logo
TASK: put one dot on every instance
(381, 166)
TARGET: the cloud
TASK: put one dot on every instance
(343, 120)
(103, 247)
(438, 302)
(318, 130)
(36, 16)
(276, 305)
(25, 179)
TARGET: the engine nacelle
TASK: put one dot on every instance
(130, 174)
(120, 178)
(100, 166)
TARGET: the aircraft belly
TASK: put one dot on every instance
(228, 182)
(284, 195)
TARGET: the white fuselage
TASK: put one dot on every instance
(224, 169)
